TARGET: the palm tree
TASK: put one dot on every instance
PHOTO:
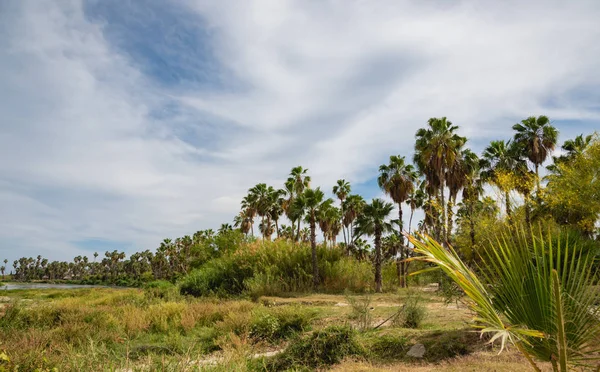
(243, 222)
(396, 179)
(263, 197)
(436, 149)
(457, 177)
(225, 227)
(501, 158)
(373, 221)
(249, 209)
(299, 180)
(342, 189)
(416, 200)
(353, 206)
(312, 200)
(537, 137)
(573, 148)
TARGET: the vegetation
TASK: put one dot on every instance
(522, 247)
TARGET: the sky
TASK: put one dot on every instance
(124, 122)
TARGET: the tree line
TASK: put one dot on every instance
(445, 179)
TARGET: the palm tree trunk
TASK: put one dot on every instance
(252, 227)
(407, 264)
(507, 201)
(528, 214)
(401, 264)
(313, 248)
(298, 234)
(450, 217)
(443, 200)
(277, 228)
(378, 260)
(471, 225)
(537, 174)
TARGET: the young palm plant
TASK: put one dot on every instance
(534, 292)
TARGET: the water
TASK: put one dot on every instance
(10, 286)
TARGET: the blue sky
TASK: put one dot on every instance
(126, 122)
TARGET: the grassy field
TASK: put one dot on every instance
(140, 330)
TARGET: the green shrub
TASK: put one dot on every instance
(412, 313)
(322, 348)
(348, 274)
(264, 326)
(277, 323)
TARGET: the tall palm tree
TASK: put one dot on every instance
(397, 179)
(501, 157)
(249, 205)
(373, 221)
(415, 201)
(457, 177)
(436, 148)
(342, 189)
(537, 137)
(300, 180)
(572, 147)
(353, 206)
(312, 200)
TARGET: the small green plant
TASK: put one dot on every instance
(361, 310)
(412, 312)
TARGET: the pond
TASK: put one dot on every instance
(10, 286)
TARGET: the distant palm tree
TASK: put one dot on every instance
(299, 180)
(249, 205)
(501, 157)
(353, 206)
(373, 221)
(312, 200)
(225, 227)
(342, 189)
(573, 147)
(436, 148)
(537, 138)
(457, 177)
(397, 179)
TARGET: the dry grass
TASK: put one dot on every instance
(509, 361)
(80, 329)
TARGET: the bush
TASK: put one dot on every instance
(412, 313)
(348, 274)
(322, 348)
(161, 289)
(277, 323)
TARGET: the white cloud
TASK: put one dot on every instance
(335, 86)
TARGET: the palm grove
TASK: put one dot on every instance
(446, 180)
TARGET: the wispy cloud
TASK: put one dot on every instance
(130, 122)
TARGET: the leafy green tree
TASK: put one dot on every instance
(373, 221)
(573, 196)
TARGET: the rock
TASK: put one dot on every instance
(417, 351)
